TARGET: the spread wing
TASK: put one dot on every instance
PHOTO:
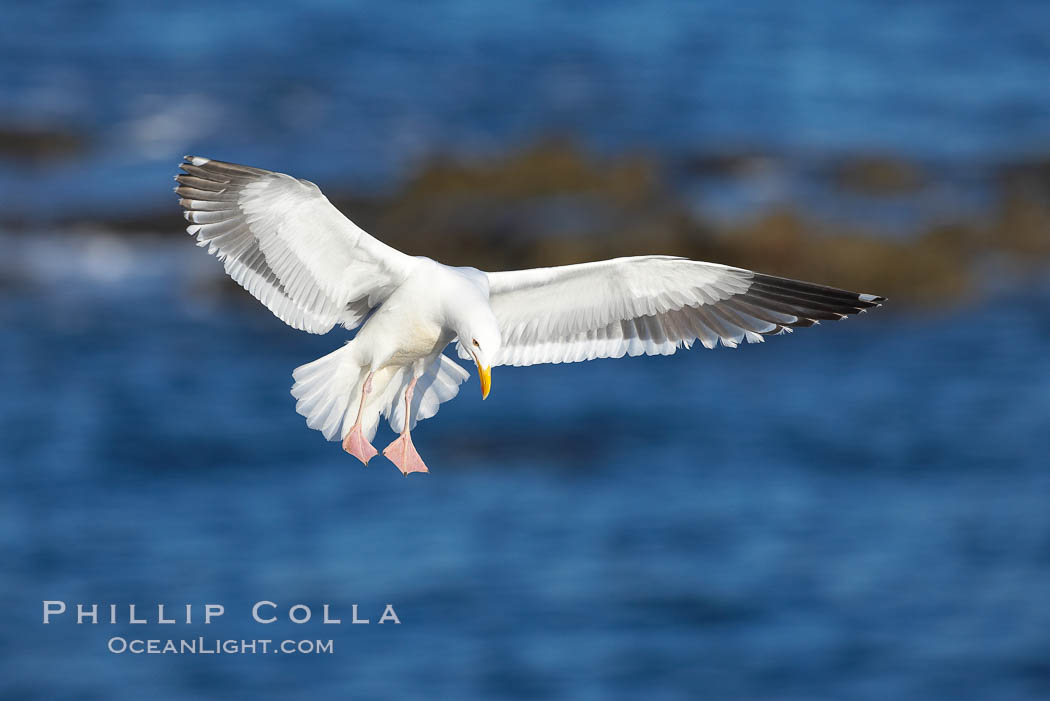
(652, 305)
(284, 242)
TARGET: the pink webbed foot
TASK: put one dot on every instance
(356, 445)
(403, 454)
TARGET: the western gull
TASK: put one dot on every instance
(282, 240)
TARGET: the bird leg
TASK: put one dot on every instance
(402, 452)
(355, 442)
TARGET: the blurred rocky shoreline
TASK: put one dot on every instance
(553, 203)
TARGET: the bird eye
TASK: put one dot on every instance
(475, 342)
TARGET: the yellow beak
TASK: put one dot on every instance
(485, 374)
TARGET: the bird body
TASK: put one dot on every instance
(284, 242)
(413, 323)
(399, 343)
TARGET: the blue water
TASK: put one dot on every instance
(357, 92)
(857, 510)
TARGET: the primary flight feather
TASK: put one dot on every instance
(284, 242)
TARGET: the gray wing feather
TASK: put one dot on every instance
(651, 305)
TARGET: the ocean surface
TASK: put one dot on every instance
(854, 511)
(357, 93)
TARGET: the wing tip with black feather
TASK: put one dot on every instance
(809, 300)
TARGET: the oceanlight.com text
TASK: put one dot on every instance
(216, 646)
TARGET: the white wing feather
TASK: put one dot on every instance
(652, 305)
(284, 242)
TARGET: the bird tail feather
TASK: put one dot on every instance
(437, 385)
(328, 393)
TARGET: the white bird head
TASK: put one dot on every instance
(479, 335)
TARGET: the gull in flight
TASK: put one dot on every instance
(284, 242)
